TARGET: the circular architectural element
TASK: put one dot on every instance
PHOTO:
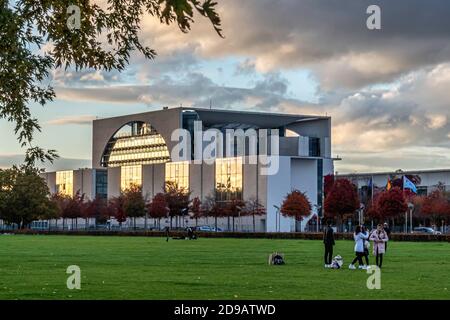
(136, 143)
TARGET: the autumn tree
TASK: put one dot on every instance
(342, 200)
(391, 203)
(116, 208)
(24, 196)
(96, 209)
(102, 37)
(73, 208)
(158, 208)
(254, 208)
(296, 205)
(436, 207)
(177, 199)
(213, 208)
(195, 210)
(133, 203)
(233, 209)
(328, 182)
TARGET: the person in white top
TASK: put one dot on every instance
(359, 248)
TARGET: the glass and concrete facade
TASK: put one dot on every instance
(136, 149)
(90, 182)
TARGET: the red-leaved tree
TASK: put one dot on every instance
(342, 200)
(296, 204)
(436, 207)
(195, 210)
(95, 209)
(116, 207)
(158, 209)
(391, 203)
(328, 182)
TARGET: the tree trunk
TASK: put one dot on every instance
(254, 224)
(233, 223)
(215, 223)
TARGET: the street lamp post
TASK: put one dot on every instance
(361, 213)
(318, 208)
(277, 221)
(411, 208)
(239, 208)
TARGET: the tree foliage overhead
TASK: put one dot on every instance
(104, 41)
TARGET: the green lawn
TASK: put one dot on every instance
(34, 267)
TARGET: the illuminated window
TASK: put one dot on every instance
(136, 143)
(229, 179)
(130, 175)
(64, 182)
(178, 172)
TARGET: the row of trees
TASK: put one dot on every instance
(342, 202)
(24, 197)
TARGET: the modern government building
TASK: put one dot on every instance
(138, 149)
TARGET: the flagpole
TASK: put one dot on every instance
(371, 179)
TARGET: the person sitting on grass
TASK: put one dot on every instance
(359, 248)
(328, 241)
(379, 238)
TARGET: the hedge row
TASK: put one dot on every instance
(260, 235)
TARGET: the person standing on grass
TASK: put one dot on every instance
(379, 238)
(359, 248)
(388, 233)
(366, 244)
(328, 241)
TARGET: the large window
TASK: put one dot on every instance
(135, 144)
(64, 182)
(130, 175)
(229, 179)
(101, 184)
(178, 172)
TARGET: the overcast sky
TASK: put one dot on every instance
(388, 91)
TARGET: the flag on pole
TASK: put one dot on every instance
(389, 185)
(407, 184)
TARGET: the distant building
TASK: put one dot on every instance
(429, 179)
(137, 149)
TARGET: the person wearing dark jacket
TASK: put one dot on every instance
(388, 233)
(328, 241)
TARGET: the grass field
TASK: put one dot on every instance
(34, 267)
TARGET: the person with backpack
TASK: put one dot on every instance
(328, 241)
(359, 248)
(379, 238)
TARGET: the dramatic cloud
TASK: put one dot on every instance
(329, 37)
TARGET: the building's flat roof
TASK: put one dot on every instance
(395, 172)
(213, 116)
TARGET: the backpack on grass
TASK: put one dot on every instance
(276, 259)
